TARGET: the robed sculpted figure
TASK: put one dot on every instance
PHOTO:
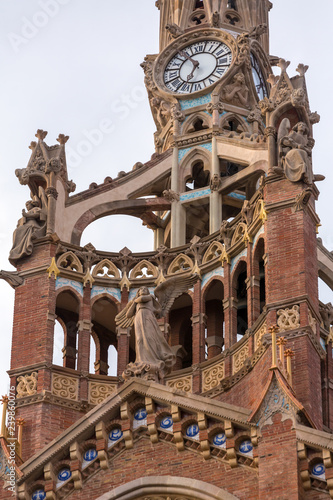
(295, 151)
(154, 356)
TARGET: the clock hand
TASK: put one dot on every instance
(183, 54)
(193, 61)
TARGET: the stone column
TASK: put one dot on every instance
(178, 212)
(123, 336)
(84, 333)
(270, 133)
(215, 215)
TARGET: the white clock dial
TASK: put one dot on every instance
(197, 66)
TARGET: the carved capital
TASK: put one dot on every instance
(52, 193)
(270, 132)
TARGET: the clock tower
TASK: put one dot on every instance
(241, 405)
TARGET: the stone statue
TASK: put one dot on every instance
(31, 226)
(154, 356)
(294, 152)
(237, 91)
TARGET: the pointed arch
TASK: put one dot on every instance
(106, 269)
(139, 270)
(70, 261)
(190, 126)
(233, 123)
(194, 156)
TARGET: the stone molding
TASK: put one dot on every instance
(164, 487)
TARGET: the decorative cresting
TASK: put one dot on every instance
(181, 383)
(214, 251)
(239, 358)
(288, 318)
(182, 263)
(212, 376)
(241, 234)
(99, 391)
(106, 269)
(26, 385)
(70, 261)
(65, 387)
(259, 335)
(143, 269)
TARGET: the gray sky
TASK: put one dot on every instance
(71, 64)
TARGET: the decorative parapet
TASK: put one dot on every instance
(181, 383)
(258, 335)
(239, 358)
(65, 386)
(212, 376)
(99, 391)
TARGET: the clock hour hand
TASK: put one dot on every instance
(193, 61)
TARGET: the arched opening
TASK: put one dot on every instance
(103, 316)
(181, 331)
(259, 285)
(112, 361)
(215, 326)
(199, 4)
(67, 313)
(58, 343)
(239, 292)
(92, 355)
(200, 177)
(232, 4)
(129, 230)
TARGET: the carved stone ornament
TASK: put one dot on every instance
(12, 277)
(170, 195)
(239, 358)
(181, 384)
(215, 182)
(295, 151)
(31, 226)
(255, 115)
(259, 335)
(212, 376)
(98, 392)
(182, 263)
(288, 318)
(174, 30)
(298, 98)
(266, 105)
(302, 199)
(27, 385)
(312, 322)
(218, 106)
(65, 387)
(244, 49)
(144, 269)
(275, 401)
(214, 251)
(314, 118)
(237, 91)
(326, 313)
(177, 113)
(147, 66)
(70, 261)
(106, 269)
(241, 234)
(226, 232)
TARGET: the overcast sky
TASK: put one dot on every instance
(67, 70)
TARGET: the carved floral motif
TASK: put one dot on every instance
(27, 385)
(65, 387)
(288, 318)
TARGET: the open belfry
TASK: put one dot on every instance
(220, 350)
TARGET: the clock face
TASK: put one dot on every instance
(197, 66)
(258, 78)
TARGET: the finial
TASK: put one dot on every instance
(283, 64)
(302, 69)
(289, 354)
(41, 134)
(281, 342)
(20, 423)
(62, 138)
(33, 145)
(272, 79)
(273, 331)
